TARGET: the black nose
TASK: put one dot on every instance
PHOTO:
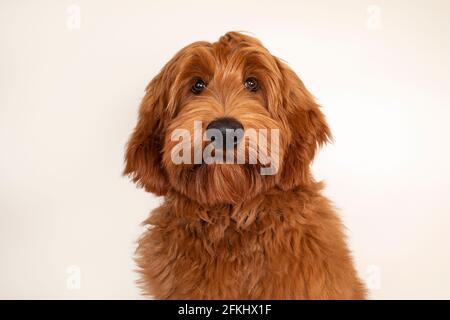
(231, 132)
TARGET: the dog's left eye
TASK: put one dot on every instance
(198, 86)
(251, 84)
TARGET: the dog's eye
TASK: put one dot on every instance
(251, 84)
(198, 86)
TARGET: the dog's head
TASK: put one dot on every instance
(230, 87)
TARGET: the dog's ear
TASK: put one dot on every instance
(144, 149)
(308, 129)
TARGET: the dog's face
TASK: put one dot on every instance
(230, 87)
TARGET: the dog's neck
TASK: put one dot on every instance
(243, 213)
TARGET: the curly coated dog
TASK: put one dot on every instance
(253, 226)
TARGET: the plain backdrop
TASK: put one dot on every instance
(72, 74)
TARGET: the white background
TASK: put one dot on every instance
(68, 102)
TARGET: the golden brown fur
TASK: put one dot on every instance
(225, 231)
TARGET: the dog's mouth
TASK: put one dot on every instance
(215, 164)
(258, 168)
(220, 183)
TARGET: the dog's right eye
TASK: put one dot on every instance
(198, 86)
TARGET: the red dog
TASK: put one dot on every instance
(226, 231)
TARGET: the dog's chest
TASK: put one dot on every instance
(237, 254)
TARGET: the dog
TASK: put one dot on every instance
(226, 230)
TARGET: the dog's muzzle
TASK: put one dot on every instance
(225, 133)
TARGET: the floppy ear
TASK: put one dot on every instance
(308, 129)
(143, 152)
